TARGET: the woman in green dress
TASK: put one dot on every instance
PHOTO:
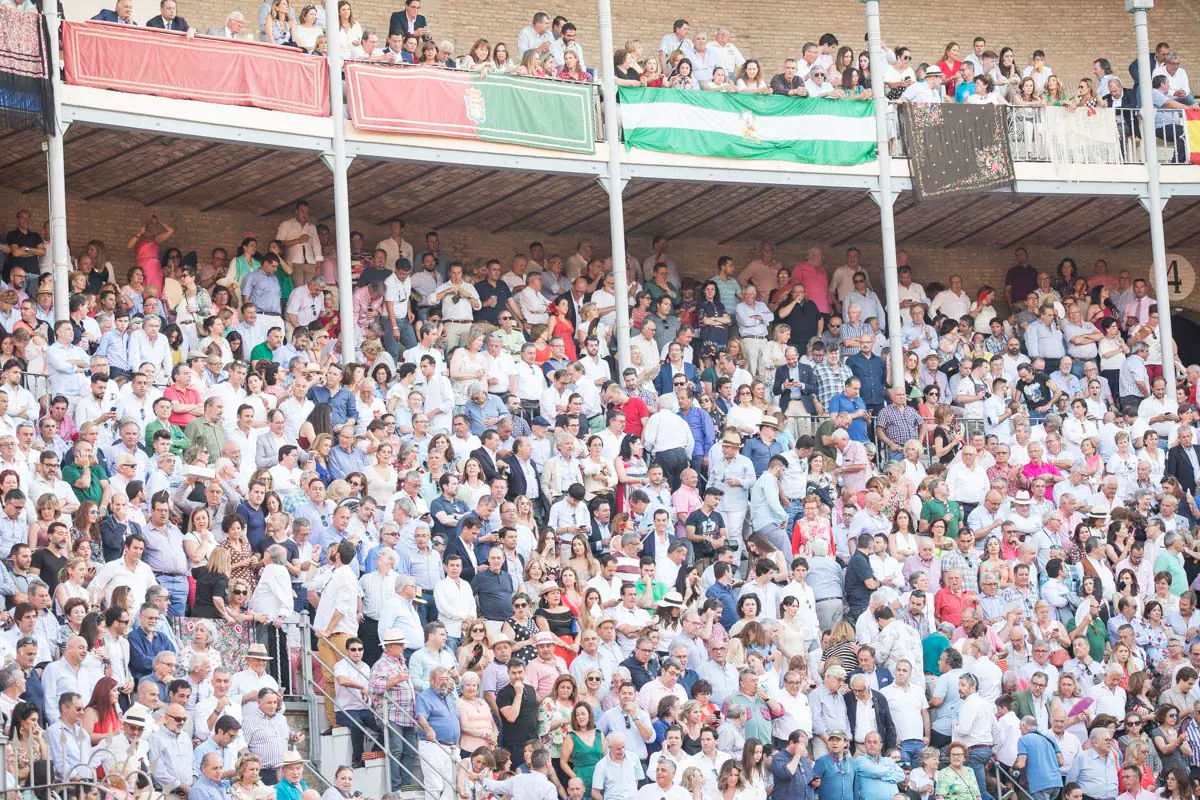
(957, 781)
(582, 747)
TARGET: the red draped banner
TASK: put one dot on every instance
(125, 58)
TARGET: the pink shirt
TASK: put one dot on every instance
(685, 500)
(855, 453)
(541, 675)
(816, 283)
(1032, 471)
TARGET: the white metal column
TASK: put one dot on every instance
(56, 175)
(339, 165)
(614, 184)
(1153, 200)
(884, 195)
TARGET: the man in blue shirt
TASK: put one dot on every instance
(437, 717)
(871, 372)
(341, 403)
(850, 401)
(834, 772)
(700, 421)
(792, 770)
(1040, 758)
(876, 777)
(1096, 769)
(484, 411)
(759, 450)
(722, 590)
(346, 457)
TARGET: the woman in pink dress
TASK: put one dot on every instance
(145, 246)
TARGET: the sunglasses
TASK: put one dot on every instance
(354, 649)
(235, 592)
(520, 605)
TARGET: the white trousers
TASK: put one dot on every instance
(753, 349)
(438, 770)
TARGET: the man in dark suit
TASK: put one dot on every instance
(664, 381)
(522, 472)
(487, 458)
(463, 546)
(575, 299)
(861, 692)
(168, 19)
(795, 386)
(408, 21)
(122, 13)
(1183, 461)
(867, 665)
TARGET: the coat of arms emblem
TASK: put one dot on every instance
(476, 108)
(749, 126)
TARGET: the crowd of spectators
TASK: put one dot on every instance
(742, 564)
(687, 59)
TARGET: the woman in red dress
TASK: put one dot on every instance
(561, 326)
(950, 65)
(100, 716)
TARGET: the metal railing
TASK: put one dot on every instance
(388, 730)
(1066, 136)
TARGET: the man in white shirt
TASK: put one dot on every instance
(973, 728)
(567, 41)
(302, 246)
(953, 302)
(459, 302)
(455, 601)
(336, 619)
(306, 302)
(670, 440)
(910, 710)
(537, 36)
(148, 345)
(731, 57)
(927, 91)
(394, 245)
(677, 39)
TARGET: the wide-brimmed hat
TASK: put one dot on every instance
(671, 600)
(605, 621)
(933, 69)
(501, 638)
(545, 637)
(135, 717)
(769, 421)
(1022, 499)
(549, 586)
(291, 757)
(732, 438)
(258, 651)
(393, 636)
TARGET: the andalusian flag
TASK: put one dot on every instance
(1193, 134)
(556, 115)
(728, 125)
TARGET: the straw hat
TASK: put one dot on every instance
(258, 651)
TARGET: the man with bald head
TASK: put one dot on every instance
(171, 753)
(63, 675)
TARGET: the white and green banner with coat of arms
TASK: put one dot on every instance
(727, 125)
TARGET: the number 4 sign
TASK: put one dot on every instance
(1181, 278)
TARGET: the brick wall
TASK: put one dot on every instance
(1056, 26)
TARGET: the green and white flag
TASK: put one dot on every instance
(727, 125)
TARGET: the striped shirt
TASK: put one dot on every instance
(267, 737)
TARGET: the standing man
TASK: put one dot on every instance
(973, 728)
(437, 717)
(302, 246)
(753, 316)
(337, 616)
